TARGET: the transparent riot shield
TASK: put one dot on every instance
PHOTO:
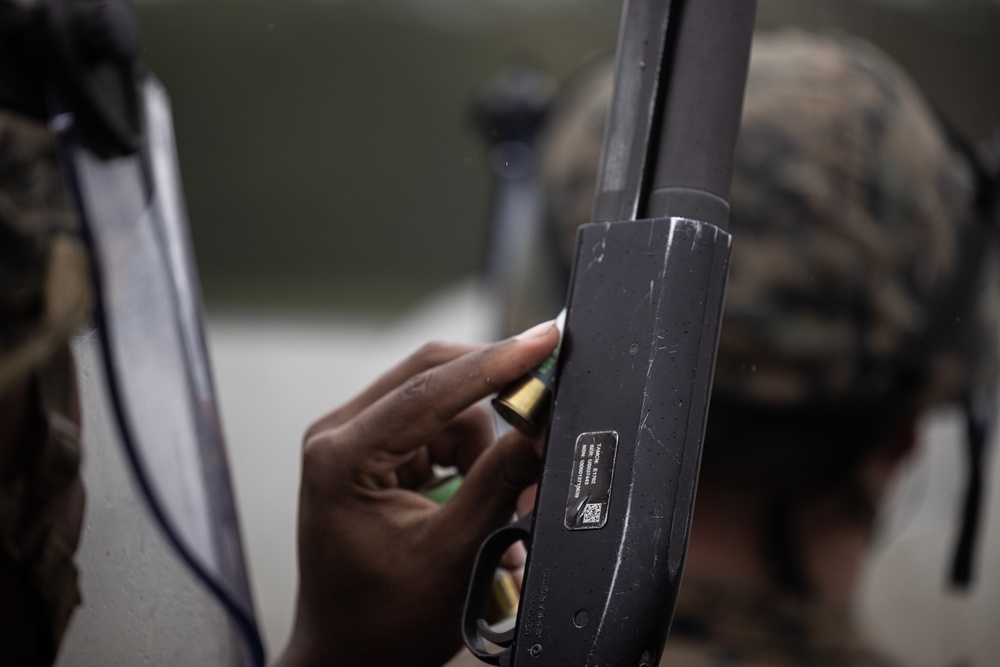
(152, 340)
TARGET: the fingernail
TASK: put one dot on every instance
(537, 331)
(543, 329)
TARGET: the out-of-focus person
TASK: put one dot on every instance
(863, 289)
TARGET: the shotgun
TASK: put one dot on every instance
(609, 532)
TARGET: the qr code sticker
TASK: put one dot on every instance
(592, 513)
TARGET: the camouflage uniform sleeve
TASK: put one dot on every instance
(44, 296)
(722, 625)
(44, 282)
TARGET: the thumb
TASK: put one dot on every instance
(488, 497)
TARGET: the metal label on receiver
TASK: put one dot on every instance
(590, 480)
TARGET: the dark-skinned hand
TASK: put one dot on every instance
(383, 570)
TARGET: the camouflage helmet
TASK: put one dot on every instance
(851, 213)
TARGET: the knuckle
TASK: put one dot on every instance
(313, 446)
(332, 467)
(329, 463)
(317, 447)
(421, 392)
(311, 433)
(332, 419)
(416, 389)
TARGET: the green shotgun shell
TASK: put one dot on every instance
(441, 489)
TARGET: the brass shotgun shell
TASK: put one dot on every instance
(504, 599)
(525, 404)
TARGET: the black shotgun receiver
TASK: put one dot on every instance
(609, 532)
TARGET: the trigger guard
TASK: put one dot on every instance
(474, 627)
(505, 638)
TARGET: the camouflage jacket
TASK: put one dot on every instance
(720, 626)
(44, 295)
(724, 626)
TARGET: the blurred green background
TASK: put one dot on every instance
(326, 147)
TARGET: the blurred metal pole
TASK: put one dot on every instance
(509, 112)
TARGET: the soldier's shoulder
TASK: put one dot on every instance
(44, 269)
(726, 626)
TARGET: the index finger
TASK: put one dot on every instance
(428, 356)
(407, 417)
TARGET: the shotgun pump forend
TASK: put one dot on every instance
(609, 533)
